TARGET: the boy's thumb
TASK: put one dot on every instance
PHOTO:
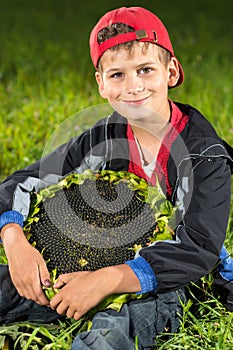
(47, 283)
(44, 275)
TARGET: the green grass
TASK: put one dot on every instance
(205, 324)
(47, 82)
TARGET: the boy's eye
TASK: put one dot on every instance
(117, 75)
(144, 70)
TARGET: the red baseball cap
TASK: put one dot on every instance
(147, 27)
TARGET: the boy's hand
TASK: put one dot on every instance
(26, 265)
(78, 294)
(81, 291)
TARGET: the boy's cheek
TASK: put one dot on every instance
(110, 93)
(105, 94)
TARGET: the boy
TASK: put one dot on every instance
(147, 134)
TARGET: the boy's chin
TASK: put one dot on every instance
(136, 113)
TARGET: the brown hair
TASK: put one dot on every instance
(120, 28)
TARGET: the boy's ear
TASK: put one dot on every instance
(100, 83)
(173, 72)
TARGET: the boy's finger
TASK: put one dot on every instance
(59, 283)
(44, 274)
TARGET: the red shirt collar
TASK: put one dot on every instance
(177, 123)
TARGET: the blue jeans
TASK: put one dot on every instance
(111, 330)
(14, 308)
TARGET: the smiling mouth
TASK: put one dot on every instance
(135, 102)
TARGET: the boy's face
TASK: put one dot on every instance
(137, 79)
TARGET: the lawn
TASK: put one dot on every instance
(48, 93)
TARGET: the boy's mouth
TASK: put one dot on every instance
(138, 102)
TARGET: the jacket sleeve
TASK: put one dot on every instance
(15, 189)
(203, 201)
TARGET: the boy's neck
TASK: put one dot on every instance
(153, 130)
(150, 134)
(149, 141)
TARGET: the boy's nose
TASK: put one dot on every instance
(134, 85)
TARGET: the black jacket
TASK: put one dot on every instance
(197, 181)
